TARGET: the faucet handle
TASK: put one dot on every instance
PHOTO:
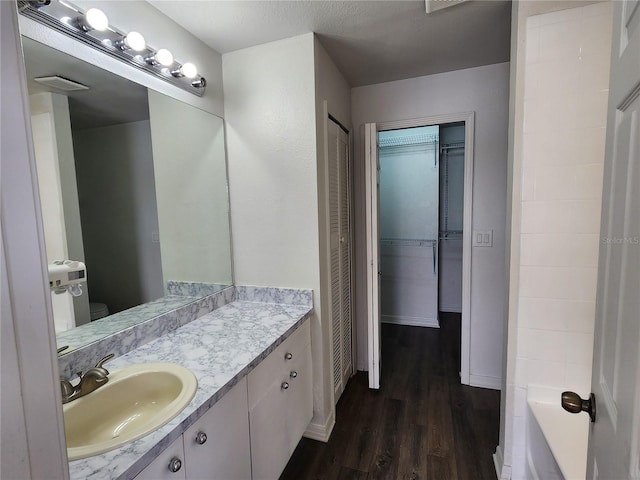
(67, 390)
(105, 359)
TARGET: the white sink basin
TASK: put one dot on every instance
(136, 401)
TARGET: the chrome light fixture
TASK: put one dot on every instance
(132, 41)
(93, 19)
(92, 28)
(162, 57)
(188, 70)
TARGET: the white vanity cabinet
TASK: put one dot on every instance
(169, 465)
(215, 447)
(280, 404)
(251, 432)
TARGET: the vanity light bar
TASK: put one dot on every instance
(92, 28)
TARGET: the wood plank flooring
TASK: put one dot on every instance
(421, 424)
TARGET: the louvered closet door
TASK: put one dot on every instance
(340, 232)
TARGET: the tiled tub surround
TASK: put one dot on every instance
(220, 348)
(125, 331)
(566, 81)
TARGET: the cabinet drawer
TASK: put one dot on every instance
(276, 365)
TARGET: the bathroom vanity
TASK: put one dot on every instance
(252, 360)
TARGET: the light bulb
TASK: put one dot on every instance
(96, 20)
(189, 70)
(164, 57)
(135, 41)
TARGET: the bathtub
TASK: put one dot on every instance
(557, 441)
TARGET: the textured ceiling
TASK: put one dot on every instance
(370, 41)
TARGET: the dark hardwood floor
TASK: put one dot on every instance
(421, 424)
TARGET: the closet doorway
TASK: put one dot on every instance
(418, 209)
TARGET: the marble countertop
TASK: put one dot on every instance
(219, 348)
(90, 332)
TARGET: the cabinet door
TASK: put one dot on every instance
(269, 438)
(300, 397)
(217, 445)
(160, 469)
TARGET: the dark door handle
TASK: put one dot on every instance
(572, 403)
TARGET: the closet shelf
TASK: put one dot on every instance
(407, 140)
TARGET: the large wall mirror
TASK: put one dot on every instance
(133, 183)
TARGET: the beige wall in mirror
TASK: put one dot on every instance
(134, 184)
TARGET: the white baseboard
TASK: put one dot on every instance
(321, 432)
(410, 321)
(450, 308)
(495, 383)
(498, 463)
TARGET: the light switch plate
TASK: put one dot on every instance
(483, 238)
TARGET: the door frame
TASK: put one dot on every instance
(467, 229)
(29, 359)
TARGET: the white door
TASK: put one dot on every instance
(340, 256)
(373, 253)
(614, 441)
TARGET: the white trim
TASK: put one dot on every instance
(467, 228)
(469, 130)
(373, 278)
(320, 432)
(494, 383)
(450, 308)
(25, 262)
(411, 321)
(498, 462)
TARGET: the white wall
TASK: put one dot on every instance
(483, 90)
(119, 214)
(159, 32)
(274, 96)
(271, 144)
(409, 189)
(565, 66)
(189, 165)
(55, 160)
(332, 90)
(44, 144)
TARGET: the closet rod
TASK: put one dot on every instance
(447, 146)
(408, 242)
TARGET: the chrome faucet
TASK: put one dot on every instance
(91, 380)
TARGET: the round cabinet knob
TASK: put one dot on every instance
(175, 464)
(201, 438)
(288, 356)
(293, 374)
(285, 386)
